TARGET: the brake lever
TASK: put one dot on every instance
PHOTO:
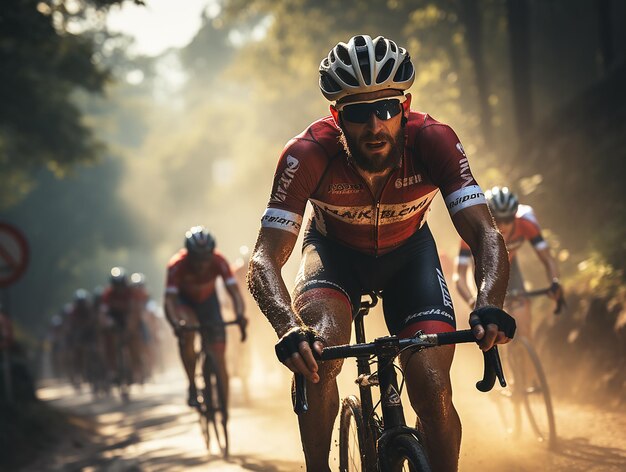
(298, 395)
(493, 370)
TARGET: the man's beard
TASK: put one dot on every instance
(366, 163)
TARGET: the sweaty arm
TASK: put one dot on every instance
(235, 295)
(265, 281)
(549, 262)
(171, 300)
(552, 270)
(491, 268)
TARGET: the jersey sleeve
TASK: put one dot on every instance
(449, 168)
(530, 227)
(224, 269)
(296, 178)
(172, 279)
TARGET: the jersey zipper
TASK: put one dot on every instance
(376, 225)
(375, 201)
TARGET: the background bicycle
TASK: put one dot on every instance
(212, 398)
(528, 394)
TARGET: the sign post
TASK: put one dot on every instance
(13, 263)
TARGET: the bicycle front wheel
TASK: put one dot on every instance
(406, 454)
(356, 451)
(537, 399)
(216, 408)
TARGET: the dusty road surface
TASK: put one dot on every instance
(158, 432)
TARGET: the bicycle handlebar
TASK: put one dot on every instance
(186, 327)
(492, 363)
(560, 303)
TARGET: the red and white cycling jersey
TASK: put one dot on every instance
(117, 299)
(525, 228)
(314, 167)
(181, 278)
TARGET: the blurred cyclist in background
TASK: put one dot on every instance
(517, 223)
(190, 298)
(116, 309)
(81, 335)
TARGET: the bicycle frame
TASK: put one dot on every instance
(392, 412)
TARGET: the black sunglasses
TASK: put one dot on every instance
(360, 112)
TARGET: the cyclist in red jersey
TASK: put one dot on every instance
(517, 224)
(190, 297)
(115, 310)
(82, 335)
(370, 171)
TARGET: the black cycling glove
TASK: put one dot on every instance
(290, 342)
(493, 315)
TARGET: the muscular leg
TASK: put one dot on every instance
(332, 319)
(220, 366)
(188, 356)
(430, 392)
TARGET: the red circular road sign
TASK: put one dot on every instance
(13, 254)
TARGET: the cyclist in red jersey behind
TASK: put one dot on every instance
(517, 223)
(115, 310)
(190, 297)
(370, 171)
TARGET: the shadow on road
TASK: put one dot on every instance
(581, 450)
(248, 462)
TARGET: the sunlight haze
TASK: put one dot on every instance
(160, 24)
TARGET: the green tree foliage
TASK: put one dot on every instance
(77, 229)
(42, 65)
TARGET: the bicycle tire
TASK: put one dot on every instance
(353, 439)
(405, 453)
(205, 426)
(216, 407)
(124, 373)
(509, 400)
(537, 399)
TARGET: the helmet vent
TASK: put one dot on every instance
(392, 45)
(332, 57)
(405, 71)
(385, 72)
(364, 63)
(381, 49)
(347, 77)
(328, 83)
(343, 55)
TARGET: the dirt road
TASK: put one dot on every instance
(157, 432)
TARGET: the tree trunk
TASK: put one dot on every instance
(473, 32)
(605, 32)
(519, 37)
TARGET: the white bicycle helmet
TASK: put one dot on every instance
(502, 202)
(365, 65)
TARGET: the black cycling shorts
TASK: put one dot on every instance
(410, 277)
(209, 314)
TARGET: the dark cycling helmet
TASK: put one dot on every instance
(365, 65)
(118, 277)
(81, 295)
(502, 202)
(199, 241)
